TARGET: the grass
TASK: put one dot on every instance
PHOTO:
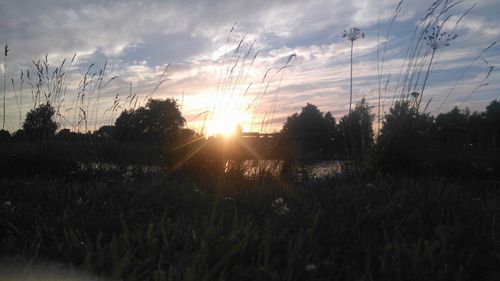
(143, 227)
(166, 229)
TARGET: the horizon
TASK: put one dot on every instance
(202, 41)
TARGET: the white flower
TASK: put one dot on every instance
(128, 175)
(310, 267)
(7, 205)
(370, 185)
(280, 207)
(79, 201)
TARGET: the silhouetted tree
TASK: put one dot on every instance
(67, 135)
(456, 143)
(105, 132)
(311, 132)
(492, 118)
(452, 127)
(355, 130)
(159, 120)
(39, 123)
(404, 139)
(4, 135)
(19, 135)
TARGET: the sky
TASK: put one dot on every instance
(233, 61)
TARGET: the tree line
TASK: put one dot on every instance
(409, 142)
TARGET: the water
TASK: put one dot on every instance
(250, 168)
(254, 168)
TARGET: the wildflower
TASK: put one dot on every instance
(370, 185)
(80, 201)
(7, 205)
(280, 207)
(310, 267)
(128, 175)
(228, 198)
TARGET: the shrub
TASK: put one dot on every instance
(39, 123)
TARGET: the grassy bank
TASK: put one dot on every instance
(162, 229)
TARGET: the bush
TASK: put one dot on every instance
(4, 135)
(39, 123)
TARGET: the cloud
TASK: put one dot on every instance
(138, 38)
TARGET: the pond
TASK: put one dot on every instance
(250, 168)
(253, 168)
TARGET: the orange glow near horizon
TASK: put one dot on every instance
(226, 115)
(226, 121)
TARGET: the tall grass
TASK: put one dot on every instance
(234, 87)
(432, 34)
(4, 83)
(322, 230)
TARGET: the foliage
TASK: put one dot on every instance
(456, 143)
(492, 119)
(355, 134)
(105, 132)
(39, 123)
(404, 138)
(159, 120)
(310, 131)
(168, 230)
(4, 135)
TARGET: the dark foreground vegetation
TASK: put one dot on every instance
(135, 228)
(419, 204)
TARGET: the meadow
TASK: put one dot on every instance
(127, 191)
(135, 227)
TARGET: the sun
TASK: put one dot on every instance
(226, 123)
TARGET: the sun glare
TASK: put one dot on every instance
(226, 123)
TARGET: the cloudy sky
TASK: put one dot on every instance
(252, 62)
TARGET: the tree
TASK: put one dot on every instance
(105, 132)
(39, 123)
(4, 135)
(355, 130)
(452, 127)
(159, 120)
(353, 35)
(492, 118)
(404, 139)
(67, 135)
(310, 131)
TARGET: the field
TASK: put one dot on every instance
(133, 227)
(280, 148)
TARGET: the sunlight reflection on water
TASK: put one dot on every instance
(249, 168)
(252, 168)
